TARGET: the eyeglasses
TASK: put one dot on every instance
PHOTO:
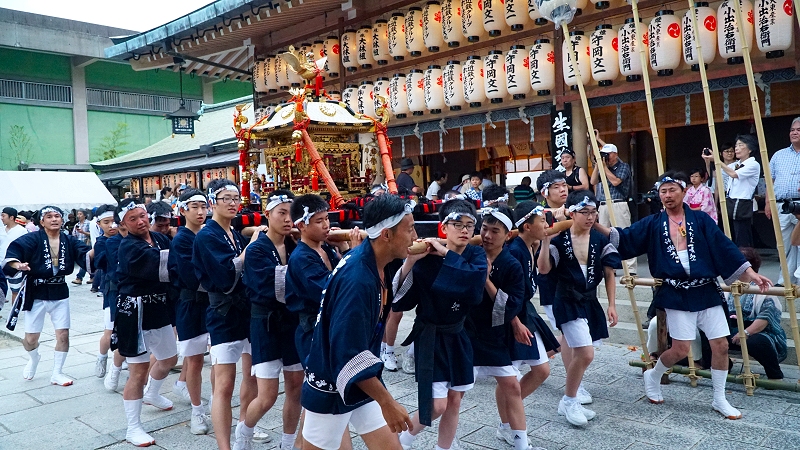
(230, 200)
(730, 150)
(460, 226)
(591, 213)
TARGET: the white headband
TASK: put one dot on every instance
(194, 198)
(503, 199)
(276, 200)
(228, 187)
(583, 204)
(670, 180)
(537, 211)
(457, 216)
(455, 197)
(50, 209)
(105, 215)
(494, 212)
(130, 207)
(307, 215)
(374, 231)
(547, 184)
(379, 187)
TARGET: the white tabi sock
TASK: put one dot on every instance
(58, 361)
(410, 351)
(390, 349)
(155, 386)
(407, 438)
(718, 379)
(660, 369)
(287, 440)
(520, 440)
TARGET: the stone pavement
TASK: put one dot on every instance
(36, 415)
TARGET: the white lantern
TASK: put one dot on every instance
(432, 26)
(474, 92)
(281, 74)
(601, 4)
(580, 44)
(516, 12)
(415, 95)
(451, 23)
(381, 90)
(332, 51)
(318, 49)
(398, 100)
(664, 36)
(604, 55)
(335, 95)
(433, 89)
(397, 36)
(349, 50)
(415, 43)
(534, 14)
(350, 97)
(518, 72)
(730, 45)
(264, 75)
(580, 5)
(543, 67)
(494, 67)
(775, 27)
(707, 31)
(630, 64)
(493, 14)
(380, 42)
(453, 85)
(364, 56)
(366, 98)
(305, 48)
(472, 20)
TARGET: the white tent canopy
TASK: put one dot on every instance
(28, 191)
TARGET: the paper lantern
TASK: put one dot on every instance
(350, 97)
(543, 67)
(730, 45)
(664, 36)
(380, 42)
(472, 20)
(263, 76)
(349, 50)
(366, 98)
(707, 23)
(516, 14)
(381, 90)
(281, 74)
(432, 26)
(775, 27)
(604, 55)
(601, 4)
(518, 72)
(580, 5)
(494, 67)
(398, 101)
(332, 51)
(493, 17)
(364, 56)
(630, 64)
(474, 92)
(305, 48)
(397, 36)
(579, 44)
(534, 14)
(433, 90)
(453, 85)
(318, 49)
(451, 23)
(415, 95)
(335, 95)
(415, 43)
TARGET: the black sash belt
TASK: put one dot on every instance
(222, 303)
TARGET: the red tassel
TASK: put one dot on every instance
(314, 183)
(298, 153)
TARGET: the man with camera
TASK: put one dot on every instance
(785, 168)
(619, 176)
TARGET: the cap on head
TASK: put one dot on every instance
(406, 163)
(609, 148)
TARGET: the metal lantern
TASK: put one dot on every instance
(474, 92)
(397, 36)
(433, 89)
(398, 101)
(730, 45)
(518, 72)
(664, 36)
(350, 50)
(630, 65)
(332, 51)
(366, 98)
(580, 44)
(350, 97)
(601, 4)
(516, 14)
(775, 27)
(472, 20)
(260, 73)
(364, 40)
(604, 53)
(432, 26)
(182, 119)
(534, 14)
(543, 67)
(707, 23)
(380, 42)
(415, 43)
(451, 23)
(281, 74)
(453, 85)
(493, 14)
(381, 90)
(415, 95)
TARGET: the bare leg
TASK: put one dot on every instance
(193, 368)
(225, 378)
(105, 342)
(292, 385)
(31, 341)
(533, 379)
(381, 439)
(249, 388)
(134, 387)
(392, 323)
(267, 395)
(449, 423)
(581, 358)
(509, 388)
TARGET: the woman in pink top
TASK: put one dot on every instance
(698, 196)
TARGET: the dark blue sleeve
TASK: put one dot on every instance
(305, 278)
(462, 276)
(181, 270)
(78, 250)
(609, 257)
(259, 274)
(137, 260)
(517, 252)
(727, 259)
(510, 291)
(112, 250)
(633, 240)
(100, 256)
(213, 258)
(21, 250)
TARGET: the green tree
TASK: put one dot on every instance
(20, 144)
(114, 143)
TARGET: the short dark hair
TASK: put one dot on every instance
(313, 202)
(503, 209)
(522, 209)
(10, 211)
(438, 175)
(123, 203)
(159, 209)
(675, 175)
(456, 206)
(381, 208)
(725, 146)
(476, 175)
(165, 190)
(493, 192)
(219, 183)
(285, 192)
(104, 209)
(752, 256)
(576, 197)
(548, 176)
(524, 179)
(750, 141)
(698, 170)
(191, 192)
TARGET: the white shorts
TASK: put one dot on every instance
(325, 430)
(440, 388)
(683, 325)
(272, 369)
(229, 352)
(108, 324)
(59, 315)
(548, 309)
(534, 362)
(494, 371)
(577, 334)
(194, 346)
(160, 342)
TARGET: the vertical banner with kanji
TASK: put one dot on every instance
(560, 133)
